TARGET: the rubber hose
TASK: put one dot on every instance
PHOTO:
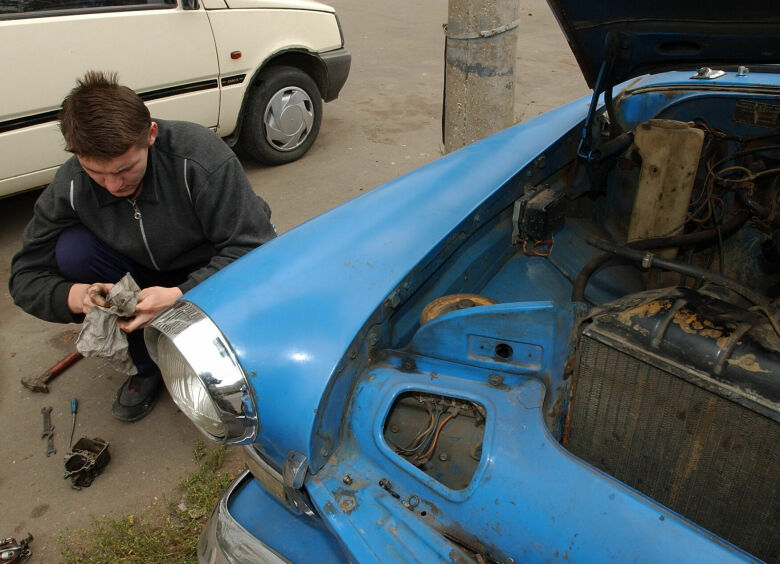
(688, 240)
(759, 210)
(651, 260)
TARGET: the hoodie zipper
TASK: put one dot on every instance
(137, 216)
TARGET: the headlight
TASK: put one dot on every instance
(202, 374)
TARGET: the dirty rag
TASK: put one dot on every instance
(101, 337)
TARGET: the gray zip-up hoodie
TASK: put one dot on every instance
(196, 207)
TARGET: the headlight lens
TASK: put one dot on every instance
(187, 390)
(202, 373)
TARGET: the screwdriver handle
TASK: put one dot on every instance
(74, 405)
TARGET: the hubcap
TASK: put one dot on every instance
(288, 118)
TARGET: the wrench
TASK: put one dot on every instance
(48, 431)
(47, 428)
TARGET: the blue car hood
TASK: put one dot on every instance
(658, 35)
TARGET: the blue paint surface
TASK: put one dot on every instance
(298, 538)
(529, 498)
(300, 329)
(295, 319)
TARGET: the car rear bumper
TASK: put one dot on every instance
(337, 64)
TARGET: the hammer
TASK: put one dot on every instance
(38, 383)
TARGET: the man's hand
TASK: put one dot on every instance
(83, 297)
(151, 301)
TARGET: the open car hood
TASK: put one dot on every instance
(657, 35)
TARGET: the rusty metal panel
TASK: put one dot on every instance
(708, 458)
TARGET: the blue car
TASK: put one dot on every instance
(560, 343)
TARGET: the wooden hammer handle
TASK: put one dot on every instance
(69, 360)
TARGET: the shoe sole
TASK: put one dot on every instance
(142, 414)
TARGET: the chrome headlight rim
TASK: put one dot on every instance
(206, 350)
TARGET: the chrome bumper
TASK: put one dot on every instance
(225, 541)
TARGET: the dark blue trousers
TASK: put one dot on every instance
(83, 258)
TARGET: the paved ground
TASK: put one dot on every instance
(386, 123)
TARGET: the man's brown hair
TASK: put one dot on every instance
(102, 119)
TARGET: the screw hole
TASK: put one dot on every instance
(423, 513)
(504, 351)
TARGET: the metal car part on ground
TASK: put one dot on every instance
(85, 461)
(609, 392)
(13, 552)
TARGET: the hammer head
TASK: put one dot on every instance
(35, 383)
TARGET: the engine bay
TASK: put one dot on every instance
(667, 247)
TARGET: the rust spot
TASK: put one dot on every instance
(568, 176)
(748, 362)
(688, 321)
(711, 333)
(648, 309)
(639, 329)
(348, 503)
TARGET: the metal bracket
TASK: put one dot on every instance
(706, 73)
(294, 471)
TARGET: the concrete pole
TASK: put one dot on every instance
(479, 95)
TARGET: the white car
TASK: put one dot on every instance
(254, 71)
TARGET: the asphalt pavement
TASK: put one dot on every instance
(386, 122)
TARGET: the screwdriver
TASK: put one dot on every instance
(74, 407)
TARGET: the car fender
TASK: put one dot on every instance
(292, 341)
(242, 52)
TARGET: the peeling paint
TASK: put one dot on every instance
(711, 333)
(688, 321)
(648, 309)
(748, 362)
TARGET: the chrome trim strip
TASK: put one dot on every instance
(225, 541)
(264, 473)
(701, 88)
(210, 355)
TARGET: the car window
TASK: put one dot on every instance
(57, 7)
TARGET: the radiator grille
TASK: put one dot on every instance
(700, 454)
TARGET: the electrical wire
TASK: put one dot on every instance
(749, 176)
(769, 315)
(436, 436)
(422, 439)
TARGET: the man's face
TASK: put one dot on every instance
(122, 175)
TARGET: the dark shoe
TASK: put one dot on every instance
(137, 396)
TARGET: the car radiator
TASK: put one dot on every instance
(653, 406)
